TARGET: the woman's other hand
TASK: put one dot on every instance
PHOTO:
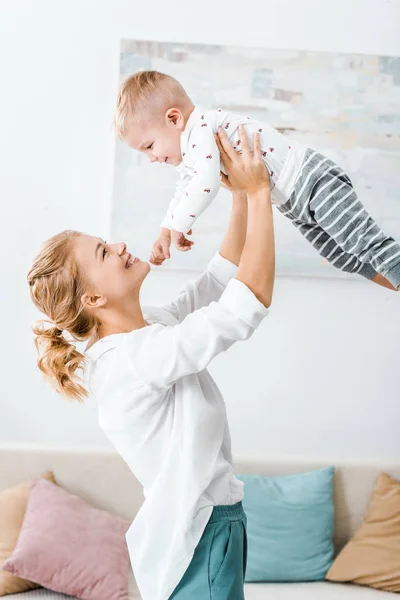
(246, 171)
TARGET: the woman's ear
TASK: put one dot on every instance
(91, 301)
(174, 118)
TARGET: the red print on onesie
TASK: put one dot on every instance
(207, 190)
(209, 156)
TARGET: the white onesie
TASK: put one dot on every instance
(200, 178)
(308, 188)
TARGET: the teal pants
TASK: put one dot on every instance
(218, 566)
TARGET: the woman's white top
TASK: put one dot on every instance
(164, 414)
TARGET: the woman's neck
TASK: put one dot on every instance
(121, 320)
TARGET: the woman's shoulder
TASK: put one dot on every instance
(158, 315)
(109, 374)
(153, 315)
(96, 349)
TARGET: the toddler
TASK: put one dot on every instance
(156, 116)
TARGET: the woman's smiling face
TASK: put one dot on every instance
(111, 271)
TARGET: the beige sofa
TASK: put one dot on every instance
(104, 480)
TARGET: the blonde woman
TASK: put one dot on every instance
(148, 372)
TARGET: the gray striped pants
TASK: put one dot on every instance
(326, 210)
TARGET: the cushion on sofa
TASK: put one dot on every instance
(372, 557)
(290, 526)
(70, 547)
(13, 503)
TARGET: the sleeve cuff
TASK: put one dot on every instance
(241, 301)
(181, 225)
(222, 269)
(165, 223)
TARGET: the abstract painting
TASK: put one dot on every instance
(344, 105)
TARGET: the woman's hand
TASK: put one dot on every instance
(246, 171)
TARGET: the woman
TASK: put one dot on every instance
(157, 402)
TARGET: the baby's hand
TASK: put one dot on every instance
(160, 250)
(180, 241)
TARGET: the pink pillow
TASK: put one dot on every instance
(70, 547)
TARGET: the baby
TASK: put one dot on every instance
(155, 116)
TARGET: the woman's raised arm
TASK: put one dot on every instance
(248, 173)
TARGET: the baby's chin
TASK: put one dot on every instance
(174, 161)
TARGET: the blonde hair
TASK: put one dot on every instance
(146, 94)
(56, 288)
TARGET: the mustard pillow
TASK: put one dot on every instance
(372, 557)
(13, 503)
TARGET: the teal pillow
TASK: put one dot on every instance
(290, 523)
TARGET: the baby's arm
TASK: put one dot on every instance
(160, 249)
(205, 181)
(181, 185)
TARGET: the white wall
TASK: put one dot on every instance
(321, 376)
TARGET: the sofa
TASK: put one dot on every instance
(103, 479)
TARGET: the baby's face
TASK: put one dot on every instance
(161, 143)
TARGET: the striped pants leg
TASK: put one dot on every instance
(326, 210)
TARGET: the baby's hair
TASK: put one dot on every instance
(147, 95)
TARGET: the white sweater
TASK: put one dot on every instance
(164, 414)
